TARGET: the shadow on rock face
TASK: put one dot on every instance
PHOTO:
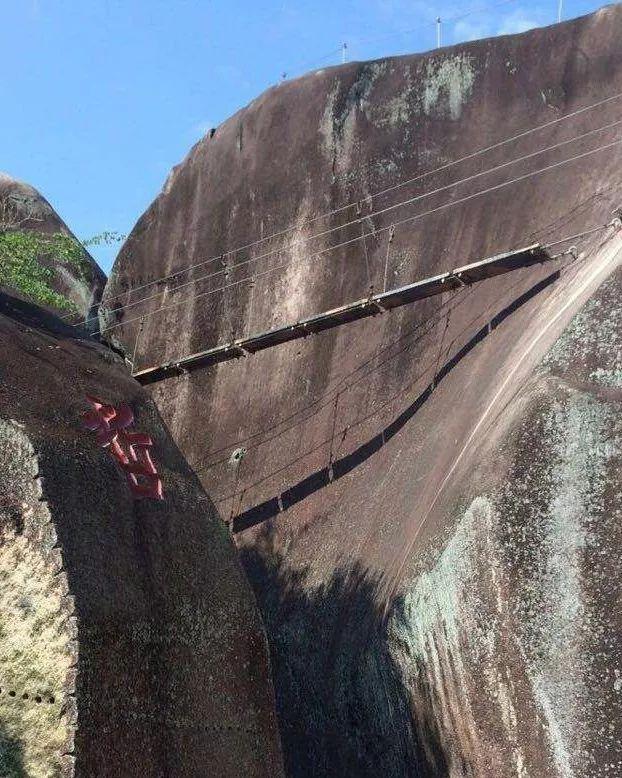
(11, 760)
(343, 708)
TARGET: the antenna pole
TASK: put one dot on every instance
(438, 31)
(559, 11)
(344, 48)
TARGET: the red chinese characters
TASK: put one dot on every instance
(130, 449)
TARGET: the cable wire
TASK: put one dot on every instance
(361, 220)
(409, 219)
(327, 400)
(373, 195)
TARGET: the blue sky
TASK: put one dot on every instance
(102, 97)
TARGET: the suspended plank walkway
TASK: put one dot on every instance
(360, 309)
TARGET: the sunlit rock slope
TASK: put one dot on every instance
(428, 502)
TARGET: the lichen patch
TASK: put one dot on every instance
(447, 85)
(501, 625)
(36, 628)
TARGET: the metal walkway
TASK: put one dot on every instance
(360, 309)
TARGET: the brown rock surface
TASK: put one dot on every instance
(130, 640)
(429, 505)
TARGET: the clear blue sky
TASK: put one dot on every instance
(102, 97)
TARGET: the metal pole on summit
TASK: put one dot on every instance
(559, 11)
(438, 32)
(344, 48)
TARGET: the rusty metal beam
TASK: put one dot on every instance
(359, 309)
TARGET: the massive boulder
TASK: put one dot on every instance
(130, 640)
(428, 502)
(25, 207)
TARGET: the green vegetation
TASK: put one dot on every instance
(106, 238)
(22, 255)
(27, 257)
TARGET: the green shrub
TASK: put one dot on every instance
(22, 266)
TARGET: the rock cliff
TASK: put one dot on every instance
(130, 640)
(428, 502)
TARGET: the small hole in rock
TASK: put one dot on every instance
(237, 455)
(25, 696)
(11, 694)
(38, 699)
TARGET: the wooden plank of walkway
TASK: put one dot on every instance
(360, 309)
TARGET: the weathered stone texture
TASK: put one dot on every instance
(425, 517)
(37, 630)
(142, 606)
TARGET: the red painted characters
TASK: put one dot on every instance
(130, 449)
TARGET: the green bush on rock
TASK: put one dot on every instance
(23, 254)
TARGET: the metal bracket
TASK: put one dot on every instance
(457, 277)
(616, 222)
(241, 352)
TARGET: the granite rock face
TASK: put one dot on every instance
(35, 213)
(130, 640)
(428, 504)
